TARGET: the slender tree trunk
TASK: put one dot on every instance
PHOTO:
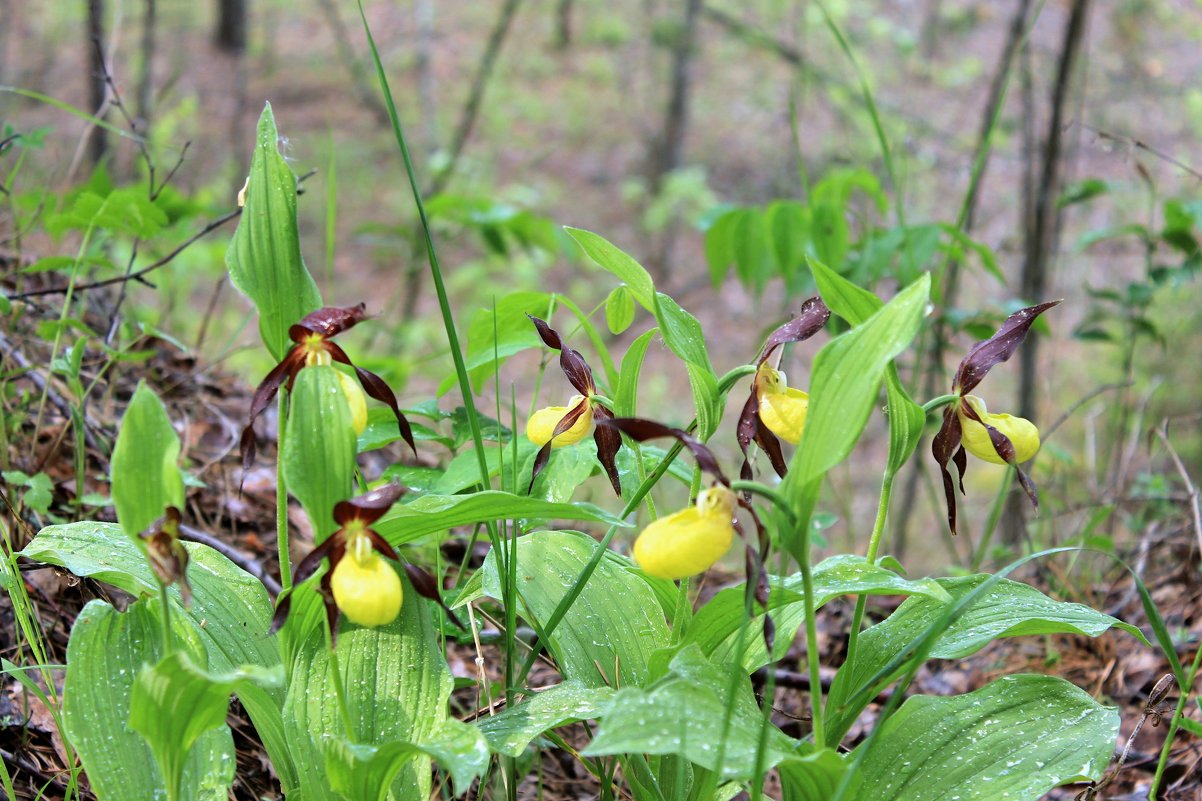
(146, 78)
(667, 149)
(563, 24)
(231, 33)
(97, 89)
(1042, 236)
(471, 109)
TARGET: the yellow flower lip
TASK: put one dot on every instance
(541, 425)
(1021, 432)
(782, 409)
(365, 587)
(690, 541)
(356, 399)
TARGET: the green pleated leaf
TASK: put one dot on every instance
(1007, 609)
(1016, 738)
(691, 712)
(366, 772)
(105, 655)
(611, 258)
(716, 625)
(813, 777)
(680, 330)
(432, 514)
(176, 702)
(626, 396)
(512, 730)
(145, 470)
(319, 446)
(619, 309)
(855, 305)
(610, 632)
(230, 611)
(264, 257)
(397, 685)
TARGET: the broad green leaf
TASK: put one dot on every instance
(788, 225)
(855, 305)
(754, 254)
(264, 256)
(1007, 609)
(566, 470)
(619, 309)
(813, 777)
(145, 474)
(719, 245)
(319, 446)
(176, 702)
(366, 772)
(716, 625)
(691, 712)
(432, 514)
(397, 684)
(230, 611)
(1016, 738)
(122, 211)
(509, 732)
(610, 258)
(627, 394)
(382, 430)
(106, 651)
(610, 632)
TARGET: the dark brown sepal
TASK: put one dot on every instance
(370, 506)
(382, 546)
(328, 321)
(641, 429)
(544, 453)
(427, 587)
(377, 388)
(1004, 448)
(283, 605)
(268, 388)
(757, 586)
(998, 348)
(578, 373)
(944, 447)
(809, 321)
(609, 441)
(332, 547)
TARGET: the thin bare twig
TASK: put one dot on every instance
(42, 383)
(1191, 489)
(247, 563)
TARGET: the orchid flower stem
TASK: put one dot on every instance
(807, 584)
(756, 488)
(995, 514)
(336, 678)
(603, 401)
(281, 498)
(168, 643)
(874, 544)
(941, 401)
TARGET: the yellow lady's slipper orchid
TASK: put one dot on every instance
(782, 409)
(541, 425)
(1021, 432)
(365, 587)
(356, 399)
(690, 541)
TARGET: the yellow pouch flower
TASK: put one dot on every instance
(541, 425)
(367, 590)
(1021, 432)
(690, 541)
(356, 399)
(782, 408)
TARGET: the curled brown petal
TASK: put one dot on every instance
(328, 321)
(641, 429)
(609, 441)
(268, 388)
(944, 447)
(750, 429)
(544, 453)
(998, 348)
(809, 321)
(382, 546)
(308, 566)
(578, 373)
(1004, 448)
(370, 506)
(377, 388)
(427, 587)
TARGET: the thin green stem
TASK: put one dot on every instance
(165, 619)
(1178, 713)
(874, 544)
(281, 498)
(995, 514)
(756, 488)
(940, 401)
(807, 583)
